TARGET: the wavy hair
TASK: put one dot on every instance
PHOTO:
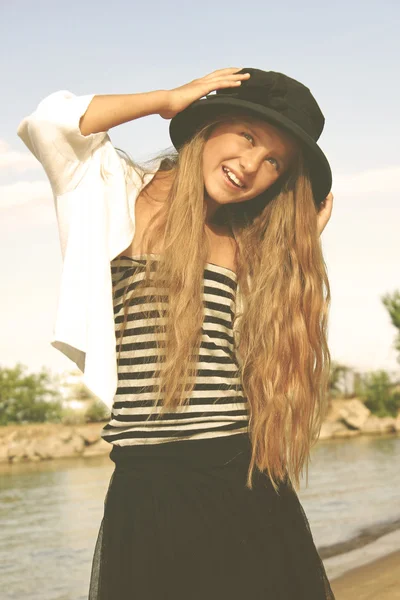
(284, 302)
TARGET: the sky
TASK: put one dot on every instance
(346, 52)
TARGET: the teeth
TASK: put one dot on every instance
(233, 177)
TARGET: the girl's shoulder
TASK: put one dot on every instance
(148, 203)
(222, 247)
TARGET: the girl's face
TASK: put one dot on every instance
(243, 158)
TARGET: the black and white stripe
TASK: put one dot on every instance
(217, 406)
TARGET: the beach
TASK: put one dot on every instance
(377, 580)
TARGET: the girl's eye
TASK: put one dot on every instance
(248, 136)
(276, 163)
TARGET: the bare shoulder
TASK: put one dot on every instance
(147, 205)
(222, 247)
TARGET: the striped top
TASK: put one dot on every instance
(217, 406)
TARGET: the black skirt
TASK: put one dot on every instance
(179, 523)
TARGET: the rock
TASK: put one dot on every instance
(17, 450)
(100, 447)
(335, 407)
(345, 432)
(46, 441)
(4, 453)
(10, 438)
(336, 429)
(54, 447)
(74, 446)
(372, 425)
(388, 424)
(354, 413)
(66, 435)
(397, 423)
(47, 447)
(375, 424)
(89, 435)
(30, 451)
(328, 429)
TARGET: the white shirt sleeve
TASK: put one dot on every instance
(81, 170)
(53, 136)
(95, 191)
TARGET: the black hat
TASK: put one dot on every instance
(272, 97)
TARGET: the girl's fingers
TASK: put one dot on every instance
(234, 77)
(224, 73)
(218, 84)
(220, 72)
(196, 89)
(207, 87)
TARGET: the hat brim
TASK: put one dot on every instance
(185, 124)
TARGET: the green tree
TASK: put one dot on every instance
(79, 391)
(97, 412)
(392, 303)
(28, 398)
(359, 386)
(379, 396)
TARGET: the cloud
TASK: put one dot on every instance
(25, 192)
(16, 161)
(23, 202)
(24, 205)
(374, 181)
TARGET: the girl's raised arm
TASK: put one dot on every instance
(66, 131)
(110, 110)
(107, 111)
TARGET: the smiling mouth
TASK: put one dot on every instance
(231, 177)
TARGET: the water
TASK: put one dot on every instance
(354, 484)
(50, 512)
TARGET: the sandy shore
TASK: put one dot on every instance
(378, 580)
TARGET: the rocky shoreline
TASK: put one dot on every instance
(347, 418)
(45, 441)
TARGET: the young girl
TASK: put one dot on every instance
(194, 299)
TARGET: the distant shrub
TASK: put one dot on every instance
(72, 416)
(97, 412)
(28, 398)
(379, 396)
(393, 404)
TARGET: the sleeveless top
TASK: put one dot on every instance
(217, 406)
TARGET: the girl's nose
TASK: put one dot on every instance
(251, 160)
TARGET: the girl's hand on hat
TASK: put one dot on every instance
(181, 97)
(324, 213)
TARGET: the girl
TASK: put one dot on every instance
(194, 299)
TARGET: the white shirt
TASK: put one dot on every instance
(95, 191)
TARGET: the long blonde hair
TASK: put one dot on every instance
(285, 296)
